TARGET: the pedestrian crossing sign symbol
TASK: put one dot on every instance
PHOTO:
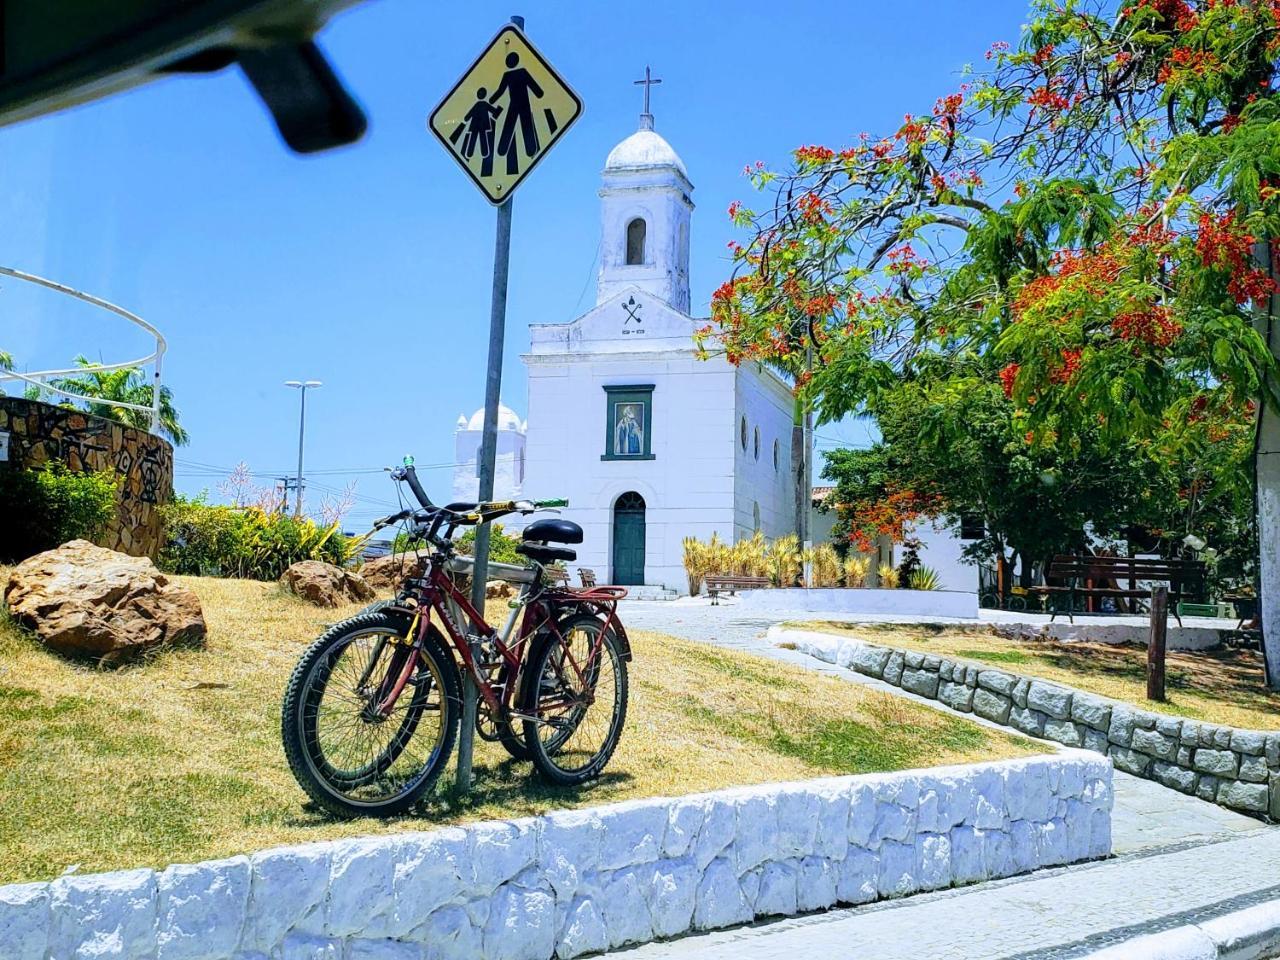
(504, 114)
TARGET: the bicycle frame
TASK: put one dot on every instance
(437, 593)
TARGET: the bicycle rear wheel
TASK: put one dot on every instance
(350, 757)
(577, 679)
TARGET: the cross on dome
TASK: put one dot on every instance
(646, 118)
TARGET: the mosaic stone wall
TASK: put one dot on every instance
(41, 432)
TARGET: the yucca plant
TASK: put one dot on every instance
(754, 555)
(924, 578)
(695, 563)
(783, 560)
(856, 568)
(824, 565)
(888, 576)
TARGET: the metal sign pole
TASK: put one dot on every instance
(488, 461)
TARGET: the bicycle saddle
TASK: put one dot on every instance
(553, 530)
(545, 554)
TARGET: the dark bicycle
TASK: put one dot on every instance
(372, 710)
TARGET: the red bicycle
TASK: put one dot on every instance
(372, 710)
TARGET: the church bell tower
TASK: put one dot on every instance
(645, 211)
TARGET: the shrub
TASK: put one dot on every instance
(696, 557)
(209, 540)
(888, 576)
(824, 566)
(783, 559)
(502, 548)
(856, 568)
(924, 578)
(45, 508)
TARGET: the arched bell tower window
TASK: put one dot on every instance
(635, 241)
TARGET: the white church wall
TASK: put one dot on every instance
(665, 209)
(687, 486)
(766, 404)
(941, 550)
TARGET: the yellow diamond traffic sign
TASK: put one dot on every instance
(504, 114)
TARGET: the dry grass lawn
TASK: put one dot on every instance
(1219, 686)
(179, 759)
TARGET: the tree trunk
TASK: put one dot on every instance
(1267, 488)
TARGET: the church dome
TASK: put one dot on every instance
(507, 419)
(643, 150)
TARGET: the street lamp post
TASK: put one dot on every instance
(301, 386)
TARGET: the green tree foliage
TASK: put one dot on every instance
(958, 446)
(502, 547)
(210, 540)
(109, 388)
(43, 509)
(1076, 224)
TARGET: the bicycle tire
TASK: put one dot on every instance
(301, 741)
(547, 755)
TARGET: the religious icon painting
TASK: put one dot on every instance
(628, 433)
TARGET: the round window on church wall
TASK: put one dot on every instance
(757, 443)
(742, 433)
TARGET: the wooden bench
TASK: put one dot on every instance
(587, 576)
(729, 583)
(1088, 577)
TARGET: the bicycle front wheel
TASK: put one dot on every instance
(355, 747)
(575, 689)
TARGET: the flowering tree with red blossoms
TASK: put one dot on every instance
(1083, 220)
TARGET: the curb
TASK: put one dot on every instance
(1234, 768)
(1249, 934)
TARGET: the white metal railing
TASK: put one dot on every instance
(156, 358)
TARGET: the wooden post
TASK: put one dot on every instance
(1156, 645)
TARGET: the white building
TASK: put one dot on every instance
(508, 477)
(649, 443)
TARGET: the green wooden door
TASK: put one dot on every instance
(628, 539)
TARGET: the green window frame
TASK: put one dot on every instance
(628, 420)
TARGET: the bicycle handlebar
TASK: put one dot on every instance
(477, 514)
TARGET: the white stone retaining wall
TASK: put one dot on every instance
(1235, 768)
(957, 604)
(575, 882)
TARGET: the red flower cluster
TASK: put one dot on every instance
(813, 207)
(1184, 61)
(814, 154)
(1153, 325)
(887, 517)
(912, 130)
(1222, 244)
(1043, 55)
(734, 208)
(903, 259)
(1049, 99)
(997, 48)
(1008, 377)
(1173, 12)
(1093, 272)
(1070, 365)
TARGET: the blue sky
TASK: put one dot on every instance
(369, 267)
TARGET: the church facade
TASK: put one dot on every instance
(649, 443)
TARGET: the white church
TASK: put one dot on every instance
(649, 443)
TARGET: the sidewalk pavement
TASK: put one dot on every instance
(1052, 915)
(1179, 862)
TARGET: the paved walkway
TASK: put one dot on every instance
(1179, 860)
(1054, 914)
